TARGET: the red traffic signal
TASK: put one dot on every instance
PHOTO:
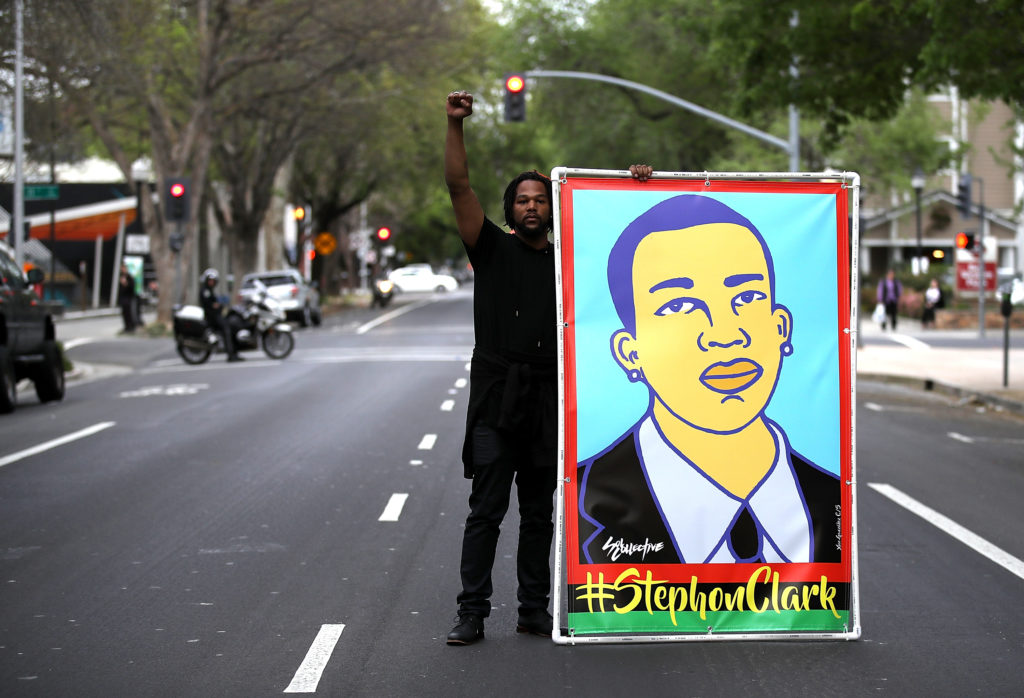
(515, 97)
(964, 241)
(383, 233)
(176, 204)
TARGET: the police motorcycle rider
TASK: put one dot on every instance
(214, 312)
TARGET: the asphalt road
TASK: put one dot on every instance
(223, 522)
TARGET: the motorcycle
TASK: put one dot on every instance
(259, 322)
(383, 292)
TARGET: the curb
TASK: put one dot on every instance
(929, 385)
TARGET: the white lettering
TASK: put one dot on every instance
(618, 548)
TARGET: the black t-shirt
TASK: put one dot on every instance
(514, 298)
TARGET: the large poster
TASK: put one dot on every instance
(706, 395)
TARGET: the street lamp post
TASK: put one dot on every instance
(917, 182)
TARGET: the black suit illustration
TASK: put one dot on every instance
(616, 502)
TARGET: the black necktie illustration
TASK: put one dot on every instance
(744, 537)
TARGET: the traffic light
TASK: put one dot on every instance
(299, 214)
(176, 199)
(383, 233)
(963, 195)
(965, 241)
(515, 97)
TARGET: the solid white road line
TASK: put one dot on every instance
(394, 507)
(81, 434)
(908, 341)
(427, 442)
(943, 523)
(312, 668)
(363, 329)
(447, 405)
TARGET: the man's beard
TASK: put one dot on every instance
(532, 232)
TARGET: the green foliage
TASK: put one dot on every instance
(855, 58)
(887, 153)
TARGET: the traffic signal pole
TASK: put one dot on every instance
(791, 146)
(981, 258)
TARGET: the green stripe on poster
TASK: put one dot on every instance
(716, 622)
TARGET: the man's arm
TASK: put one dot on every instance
(469, 214)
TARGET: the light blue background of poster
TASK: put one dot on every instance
(800, 230)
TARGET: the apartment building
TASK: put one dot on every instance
(889, 229)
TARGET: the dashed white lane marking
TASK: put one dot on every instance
(427, 442)
(447, 405)
(875, 407)
(72, 343)
(394, 507)
(307, 677)
(81, 434)
(947, 525)
(461, 383)
(415, 462)
(960, 437)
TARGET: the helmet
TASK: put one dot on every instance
(210, 274)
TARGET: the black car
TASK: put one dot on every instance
(28, 346)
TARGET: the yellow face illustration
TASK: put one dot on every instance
(709, 339)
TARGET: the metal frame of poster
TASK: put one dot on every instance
(707, 368)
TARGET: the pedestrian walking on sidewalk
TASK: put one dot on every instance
(889, 291)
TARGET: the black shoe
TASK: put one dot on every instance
(468, 629)
(536, 621)
(235, 357)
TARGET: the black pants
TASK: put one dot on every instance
(128, 315)
(225, 329)
(890, 312)
(498, 460)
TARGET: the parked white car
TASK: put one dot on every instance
(420, 277)
(300, 301)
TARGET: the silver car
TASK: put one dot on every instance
(300, 301)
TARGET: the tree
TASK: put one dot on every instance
(349, 62)
(242, 81)
(856, 58)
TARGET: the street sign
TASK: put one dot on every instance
(136, 244)
(967, 276)
(325, 243)
(40, 192)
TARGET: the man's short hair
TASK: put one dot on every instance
(513, 188)
(677, 213)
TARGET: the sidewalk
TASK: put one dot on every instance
(969, 370)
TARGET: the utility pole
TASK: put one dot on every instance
(18, 219)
